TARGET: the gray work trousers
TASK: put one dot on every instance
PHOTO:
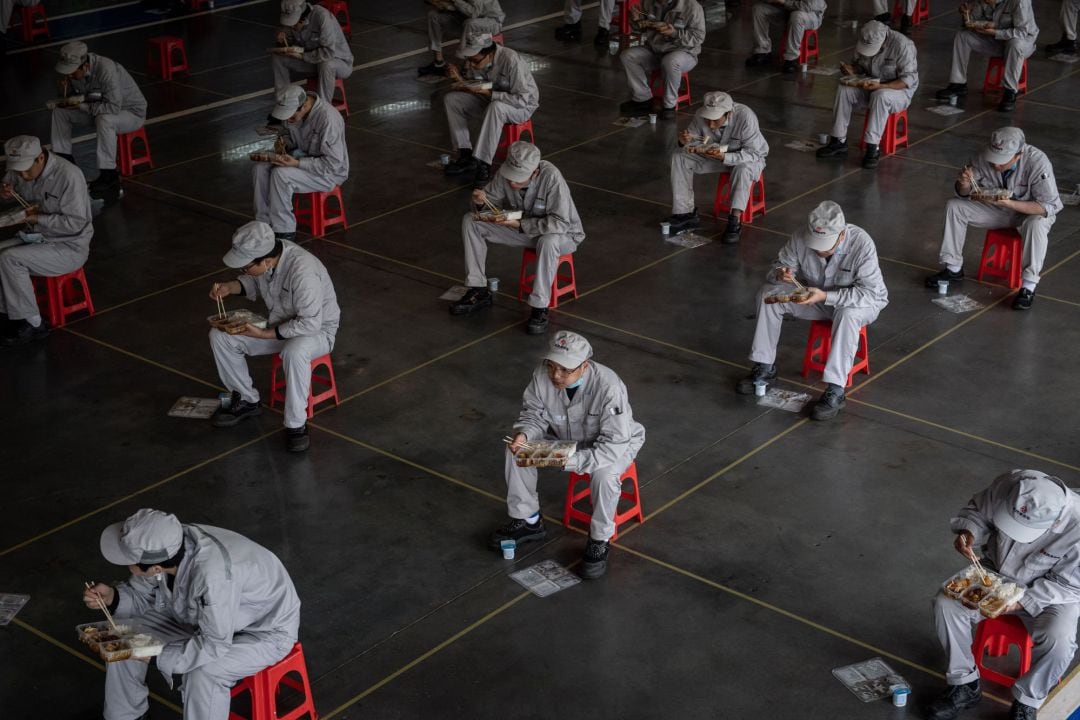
(1015, 51)
(548, 249)
(882, 103)
(961, 213)
(230, 356)
(462, 107)
(572, 14)
(685, 165)
(327, 72)
(440, 21)
(798, 22)
(274, 188)
(107, 126)
(1070, 9)
(522, 500)
(18, 263)
(846, 323)
(885, 6)
(206, 689)
(639, 63)
(1053, 631)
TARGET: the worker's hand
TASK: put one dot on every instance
(90, 596)
(31, 215)
(221, 290)
(1006, 204)
(1013, 607)
(280, 37)
(870, 85)
(453, 72)
(279, 145)
(479, 197)
(515, 224)
(714, 152)
(260, 333)
(785, 275)
(964, 544)
(967, 174)
(991, 31)
(846, 69)
(516, 444)
(282, 160)
(667, 30)
(816, 296)
(6, 191)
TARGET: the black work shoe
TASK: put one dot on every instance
(883, 18)
(296, 439)
(684, 221)
(603, 36)
(473, 299)
(239, 409)
(538, 321)
(20, 332)
(789, 67)
(758, 372)
(432, 68)
(945, 274)
(837, 147)
(635, 108)
(829, 404)
(569, 31)
(1008, 101)
(956, 699)
(957, 89)
(1020, 711)
(482, 174)
(106, 186)
(594, 561)
(905, 25)
(668, 113)
(733, 229)
(758, 59)
(519, 531)
(872, 156)
(1023, 299)
(464, 164)
(1064, 46)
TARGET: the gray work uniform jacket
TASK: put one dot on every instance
(321, 37)
(688, 19)
(1011, 18)
(481, 9)
(599, 418)
(746, 144)
(118, 90)
(321, 137)
(817, 7)
(298, 293)
(546, 205)
(895, 61)
(1049, 567)
(63, 203)
(225, 584)
(851, 278)
(511, 80)
(1032, 179)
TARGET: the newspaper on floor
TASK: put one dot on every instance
(870, 680)
(10, 606)
(827, 71)
(803, 145)
(195, 408)
(1061, 57)
(455, 293)
(945, 110)
(957, 303)
(789, 400)
(545, 578)
(631, 122)
(688, 239)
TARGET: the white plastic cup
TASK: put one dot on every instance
(652, 118)
(665, 228)
(899, 696)
(444, 159)
(613, 47)
(759, 388)
(823, 138)
(854, 24)
(508, 548)
(493, 284)
(803, 68)
(952, 100)
(942, 287)
(226, 399)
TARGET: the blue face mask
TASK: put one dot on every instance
(578, 383)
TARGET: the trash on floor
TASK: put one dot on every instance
(10, 605)
(958, 303)
(545, 578)
(194, 408)
(688, 239)
(872, 680)
(790, 400)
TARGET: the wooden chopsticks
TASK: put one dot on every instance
(104, 607)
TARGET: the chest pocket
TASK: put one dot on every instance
(845, 277)
(592, 424)
(1038, 564)
(50, 204)
(539, 207)
(502, 82)
(1021, 191)
(887, 72)
(1006, 20)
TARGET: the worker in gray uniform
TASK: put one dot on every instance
(302, 324)
(316, 159)
(224, 607)
(723, 137)
(574, 398)
(1008, 162)
(571, 29)
(1012, 34)
(672, 34)
(838, 264)
(800, 16)
(882, 13)
(1027, 524)
(549, 224)
(56, 240)
(320, 49)
(511, 98)
(113, 104)
(469, 17)
(888, 59)
(1070, 10)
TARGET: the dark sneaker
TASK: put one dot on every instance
(883, 18)
(733, 229)
(603, 36)
(829, 404)
(758, 59)
(20, 332)
(789, 67)
(538, 321)
(1008, 101)
(1023, 299)
(106, 180)
(871, 157)
(482, 174)
(432, 68)
(464, 165)
(905, 25)
(519, 531)
(684, 221)
(946, 274)
(957, 89)
(1064, 46)
(836, 147)
(668, 113)
(594, 561)
(473, 299)
(956, 699)
(635, 108)
(569, 31)
(239, 409)
(296, 439)
(758, 372)
(1020, 711)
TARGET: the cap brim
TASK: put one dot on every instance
(562, 359)
(712, 113)
(235, 260)
(468, 50)
(290, 20)
(818, 242)
(282, 112)
(21, 164)
(1006, 523)
(66, 68)
(513, 176)
(111, 548)
(997, 158)
(870, 49)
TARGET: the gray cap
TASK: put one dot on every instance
(871, 37)
(72, 57)
(522, 159)
(717, 104)
(250, 242)
(1004, 144)
(1035, 503)
(21, 152)
(148, 537)
(289, 101)
(291, 11)
(474, 44)
(568, 350)
(824, 226)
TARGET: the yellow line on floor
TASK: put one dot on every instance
(912, 158)
(137, 356)
(1050, 105)
(395, 261)
(609, 283)
(197, 201)
(620, 194)
(396, 139)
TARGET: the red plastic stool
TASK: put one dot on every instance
(622, 12)
(994, 636)
(312, 214)
(569, 281)
(264, 686)
(312, 85)
(30, 28)
(57, 296)
(511, 134)
(126, 159)
(340, 9)
(161, 53)
(1002, 256)
(819, 343)
(807, 50)
(755, 206)
(573, 495)
(921, 14)
(656, 82)
(895, 135)
(995, 71)
(277, 387)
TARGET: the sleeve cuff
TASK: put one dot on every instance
(831, 297)
(1030, 605)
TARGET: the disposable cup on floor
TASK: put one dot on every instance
(652, 118)
(952, 100)
(665, 228)
(759, 388)
(226, 400)
(493, 284)
(444, 159)
(823, 138)
(899, 696)
(508, 548)
(803, 68)
(943, 287)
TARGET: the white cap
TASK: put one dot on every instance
(289, 101)
(21, 152)
(568, 350)
(148, 537)
(871, 37)
(72, 57)
(474, 44)
(717, 104)
(522, 159)
(291, 11)
(824, 226)
(1004, 144)
(250, 242)
(1035, 503)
